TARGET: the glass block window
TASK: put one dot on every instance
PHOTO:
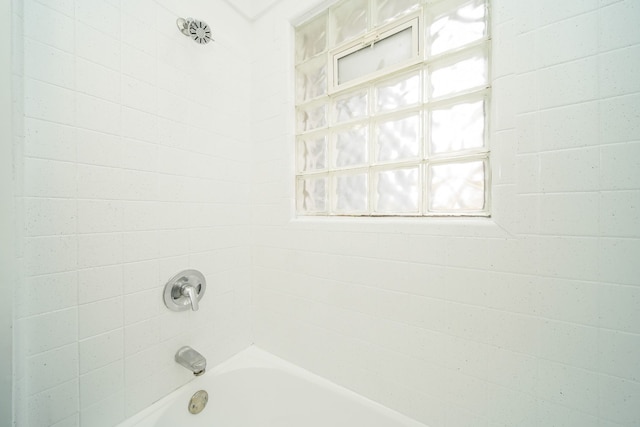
(392, 104)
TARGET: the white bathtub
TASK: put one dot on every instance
(257, 389)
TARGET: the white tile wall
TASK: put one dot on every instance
(110, 100)
(136, 155)
(532, 324)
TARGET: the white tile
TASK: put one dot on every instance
(142, 216)
(105, 413)
(101, 350)
(44, 255)
(571, 126)
(53, 368)
(97, 47)
(569, 83)
(620, 214)
(139, 155)
(569, 344)
(141, 306)
(98, 148)
(139, 34)
(97, 216)
(97, 80)
(140, 125)
(53, 405)
(574, 214)
(554, 414)
(618, 399)
(97, 114)
(99, 317)
(49, 140)
(62, 6)
(49, 64)
(618, 119)
(48, 26)
(48, 102)
(551, 11)
(617, 25)
(514, 332)
(142, 186)
(173, 243)
(138, 64)
(571, 170)
(567, 300)
(140, 246)
(42, 294)
(48, 178)
(95, 182)
(617, 71)
(618, 261)
(569, 257)
(140, 336)
(101, 383)
(46, 217)
(100, 283)
(51, 330)
(139, 94)
(618, 353)
(569, 386)
(507, 407)
(620, 166)
(141, 275)
(512, 370)
(514, 255)
(100, 15)
(568, 40)
(619, 308)
(143, 364)
(95, 250)
(72, 421)
(528, 173)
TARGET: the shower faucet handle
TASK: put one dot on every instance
(184, 291)
(191, 293)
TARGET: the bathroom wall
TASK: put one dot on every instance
(7, 213)
(135, 160)
(530, 318)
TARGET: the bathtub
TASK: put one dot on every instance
(256, 389)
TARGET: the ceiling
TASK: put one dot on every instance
(251, 9)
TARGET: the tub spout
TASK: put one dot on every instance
(192, 360)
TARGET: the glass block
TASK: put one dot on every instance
(389, 9)
(351, 193)
(398, 139)
(398, 93)
(312, 154)
(312, 194)
(311, 38)
(311, 117)
(349, 20)
(385, 53)
(351, 106)
(398, 191)
(460, 127)
(351, 147)
(455, 28)
(446, 79)
(457, 187)
(311, 79)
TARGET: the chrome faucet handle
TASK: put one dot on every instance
(191, 293)
(184, 291)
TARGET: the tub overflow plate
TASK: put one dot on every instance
(198, 401)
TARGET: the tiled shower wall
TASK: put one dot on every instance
(530, 318)
(135, 156)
